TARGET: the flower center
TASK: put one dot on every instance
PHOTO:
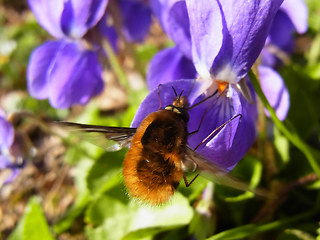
(221, 86)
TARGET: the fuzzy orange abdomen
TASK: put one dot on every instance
(152, 167)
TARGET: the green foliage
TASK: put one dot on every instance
(33, 225)
(114, 216)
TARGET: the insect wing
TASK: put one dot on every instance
(217, 174)
(109, 138)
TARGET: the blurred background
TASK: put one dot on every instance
(58, 187)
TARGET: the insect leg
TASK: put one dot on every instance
(204, 114)
(186, 180)
(218, 128)
(195, 131)
(158, 91)
(203, 100)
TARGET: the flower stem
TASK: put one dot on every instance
(115, 64)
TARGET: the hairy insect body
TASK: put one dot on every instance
(152, 167)
(158, 153)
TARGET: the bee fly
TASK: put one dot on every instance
(159, 154)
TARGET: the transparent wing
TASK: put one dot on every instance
(217, 174)
(109, 138)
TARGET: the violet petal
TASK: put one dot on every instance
(297, 10)
(75, 77)
(233, 141)
(275, 91)
(176, 23)
(169, 65)
(48, 14)
(173, 16)
(13, 175)
(136, 19)
(107, 30)
(268, 58)
(39, 68)
(281, 32)
(7, 134)
(248, 24)
(4, 161)
(206, 33)
(80, 15)
(151, 103)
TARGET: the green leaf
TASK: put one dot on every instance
(249, 167)
(103, 170)
(114, 216)
(295, 234)
(33, 225)
(250, 230)
(282, 145)
(83, 197)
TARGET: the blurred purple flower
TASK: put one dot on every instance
(292, 17)
(275, 90)
(226, 38)
(175, 62)
(65, 71)
(6, 142)
(136, 19)
(169, 65)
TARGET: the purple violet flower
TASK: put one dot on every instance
(226, 39)
(66, 71)
(176, 62)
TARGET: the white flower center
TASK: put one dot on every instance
(226, 74)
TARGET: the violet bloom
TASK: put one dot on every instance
(6, 141)
(176, 62)
(226, 39)
(136, 19)
(292, 17)
(133, 19)
(66, 71)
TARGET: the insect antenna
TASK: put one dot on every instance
(175, 93)
(181, 93)
(218, 128)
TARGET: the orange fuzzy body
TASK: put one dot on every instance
(152, 167)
